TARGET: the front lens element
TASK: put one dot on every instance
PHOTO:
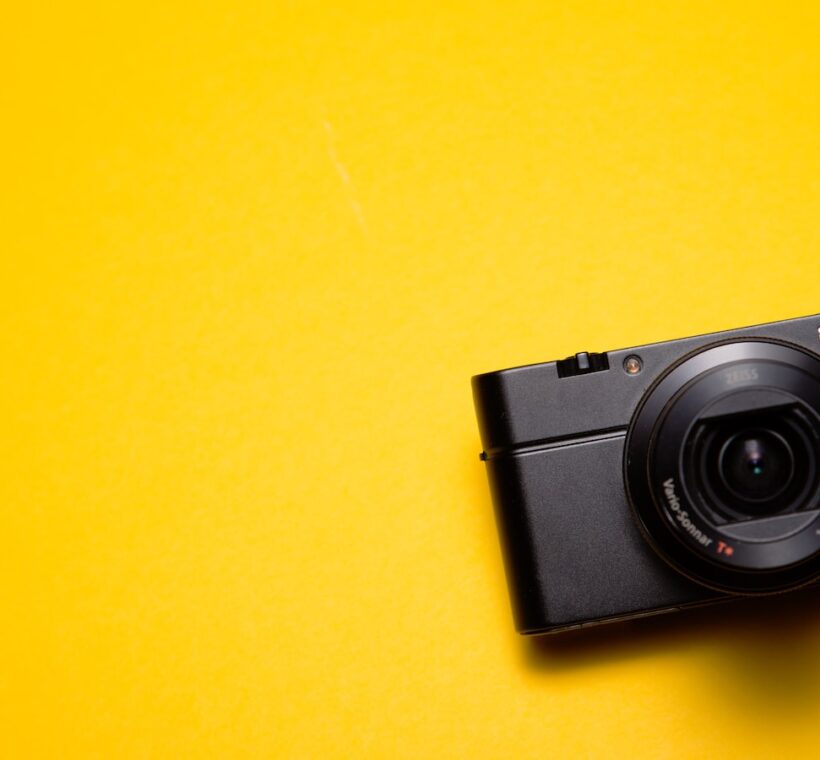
(757, 465)
(746, 466)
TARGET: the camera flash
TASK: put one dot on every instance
(633, 365)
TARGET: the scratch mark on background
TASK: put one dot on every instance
(344, 175)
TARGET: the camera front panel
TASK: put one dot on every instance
(572, 551)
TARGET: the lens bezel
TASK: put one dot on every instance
(664, 507)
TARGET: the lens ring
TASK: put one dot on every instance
(665, 510)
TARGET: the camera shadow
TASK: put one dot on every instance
(768, 648)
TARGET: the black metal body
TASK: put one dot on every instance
(553, 436)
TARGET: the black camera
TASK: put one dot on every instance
(645, 480)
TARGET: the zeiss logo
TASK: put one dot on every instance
(735, 376)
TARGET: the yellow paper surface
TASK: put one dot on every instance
(251, 255)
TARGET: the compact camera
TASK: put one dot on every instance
(641, 481)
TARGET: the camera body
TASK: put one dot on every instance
(644, 480)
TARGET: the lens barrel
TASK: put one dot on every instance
(722, 466)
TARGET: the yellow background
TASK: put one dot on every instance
(251, 256)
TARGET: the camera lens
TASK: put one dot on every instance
(751, 464)
(756, 466)
(722, 466)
